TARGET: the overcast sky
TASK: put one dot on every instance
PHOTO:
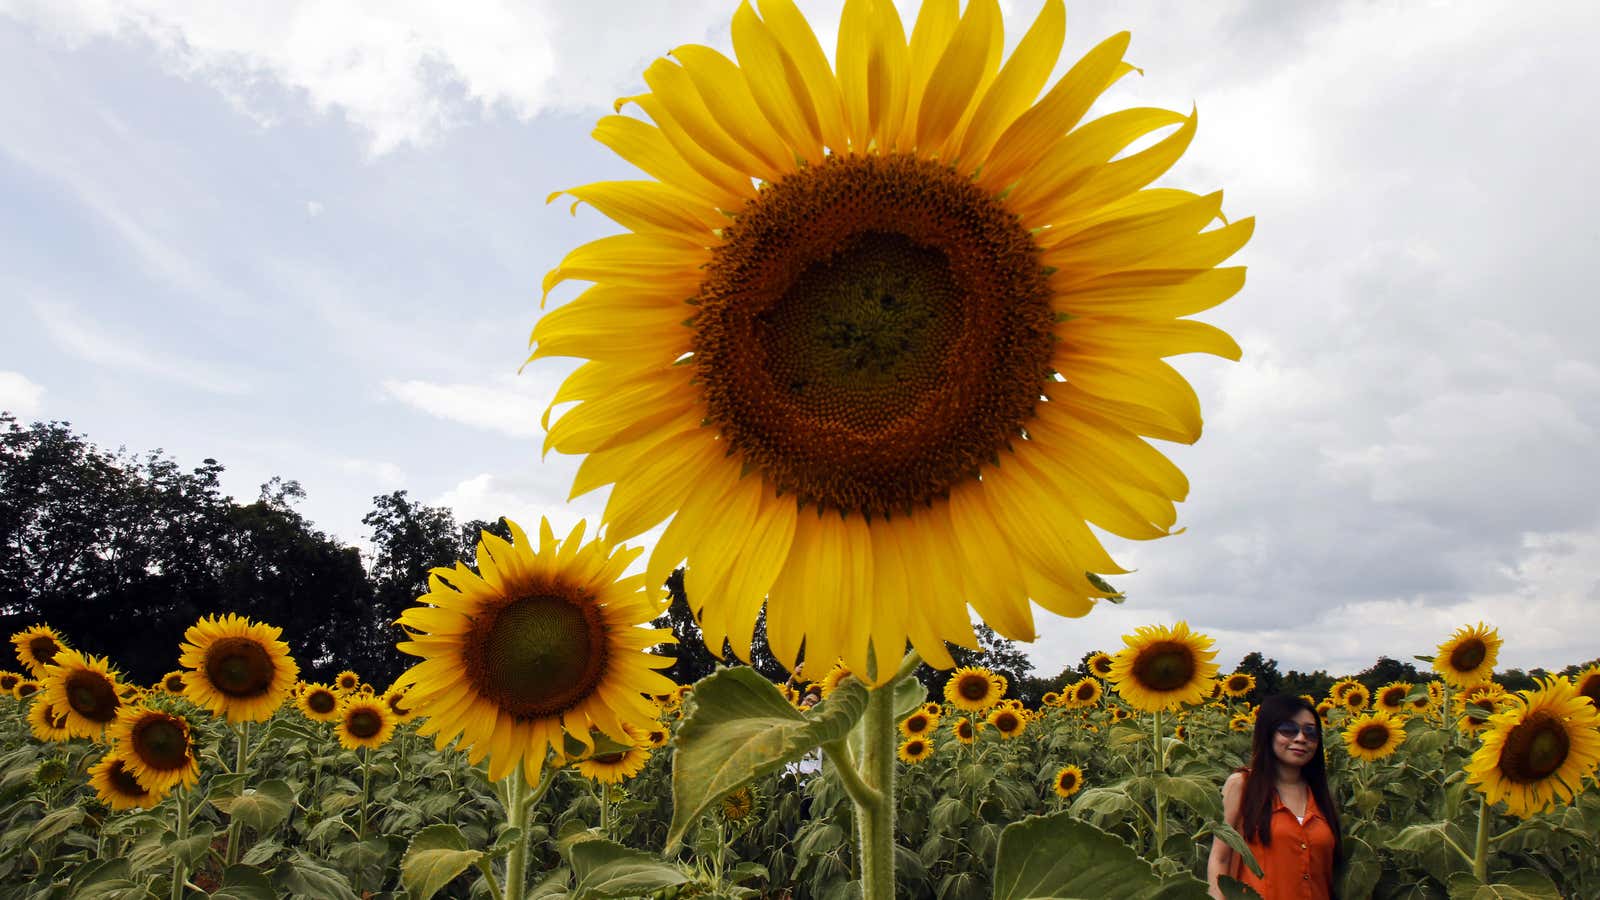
(306, 239)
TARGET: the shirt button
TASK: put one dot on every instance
(1306, 877)
(1302, 846)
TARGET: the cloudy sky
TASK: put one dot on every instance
(306, 239)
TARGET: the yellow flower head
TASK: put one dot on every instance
(1164, 668)
(37, 647)
(84, 689)
(915, 750)
(9, 681)
(364, 721)
(836, 676)
(900, 293)
(739, 805)
(918, 724)
(614, 768)
(541, 643)
(1391, 698)
(1587, 684)
(1356, 697)
(1068, 781)
(974, 689)
(1469, 655)
(1537, 754)
(319, 703)
(347, 682)
(1242, 722)
(155, 748)
(25, 689)
(1238, 684)
(1008, 722)
(47, 724)
(399, 707)
(173, 683)
(1100, 664)
(238, 669)
(965, 730)
(1374, 735)
(114, 783)
(1486, 696)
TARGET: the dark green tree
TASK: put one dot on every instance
(409, 539)
(1269, 680)
(694, 659)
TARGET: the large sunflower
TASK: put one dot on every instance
(113, 781)
(84, 688)
(539, 642)
(1537, 753)
(1164, 668)
(974, 689)
(1373, 736)
(238, 668)
(1468, 656)
(37, 647)
(887, 330)
(364, 722)
(319, 703)
(155, 747)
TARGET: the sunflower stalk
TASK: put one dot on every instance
(1480, 855)
(520, 802)
(179, 873)
(240, 761)
(876, 816)
(1157, 767)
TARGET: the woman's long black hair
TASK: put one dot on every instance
(1256, 805)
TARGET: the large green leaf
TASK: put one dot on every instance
(1236, 843)
(1234, 889)
(1197, 793)
(437, 855)
(1061, 858)
(302, 876)
(1518, 884)
(192, 848)
(242, 882)
(739, 727)
(604, 869)
(261, 806)
(55, 824)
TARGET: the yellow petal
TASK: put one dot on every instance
(793, 33)
(1126, 242)
(964, 70)
(1116, 180)
(644, 145)
(1076, 158)
(699, 141)
(936, 22)
(648, 206)
(613, 322)
(1018, 84)
(727, 96)
(1152, 293)
(658, 486)
(760, 560)
(647, 260)
(1143, 338)
(776, 84)
(871, 58)
(1148, 383)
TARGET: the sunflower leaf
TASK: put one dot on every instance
(1057, 856)
(603, 869)
(739, 727)
(435, 857)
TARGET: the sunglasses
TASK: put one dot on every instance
(1290, 729)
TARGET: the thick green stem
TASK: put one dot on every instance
(605, 810)
(875, 818)
(1157, 767)
(366, 788)
(240, 760)
(517, 859)
(1480, 856)
(179, 871)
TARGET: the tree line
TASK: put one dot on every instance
(122, 552)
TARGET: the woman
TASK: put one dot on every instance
(1282, 807)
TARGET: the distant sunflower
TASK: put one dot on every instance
(1373, 736)
(915, 750)
(1050, 698)
(1486, 696)
(905, 297)
(933, 709)
(1100, 664)
(1336, 692)
(1323, 708)
(1587, 684)
(37, 647)
(1068, 781)
(657, 736)
(614, 768)
(173, 683)
(1181, 732)
(545, 643)
(1537, 754)
(738, 806)
(364, 722)
(1120, 714)
(319, 703)
(347, 681)
(1087, 692)
(1242, 722)
(1008, 722)
(155, 747)
(85, 689)
(238, 669)
(399, 707)
(1238, 684)
(47, 724)
(918, 724)
(966, 732)
(835, 677)
(1356, 697)
(9, 681)
(1468, 656)
(1164, 668)
(974, 689)
(113, 781)
(26, 688)
(1391, 698)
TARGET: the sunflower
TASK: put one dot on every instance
(1050, 698)
(319, 703)
(1100, 664)
(933, 709)
(1373, 736)
(9, 681)
(1587, 684)
(1323, 708)
(155, 747)
(974, 688)
(114, 782)
(47, 724)
(1242, 722)
(399, 707)
(85, 689)
(1486, 696)
(918, 724)
(238, 668)
(915, 750)
(1008, 722)
(870, 334)
(965, 731)
(26, 688)
(173, 683)
(37, 647)
(614, 768)
(1356, 697)
(1119, 714)
(835, 677)
(543, 643)
(1181, 733)
(1163, 668)
(1068, 781)
(1468, 656)
(1537, 753)
(1087, 692)
(1238, 684)
(364, 722)
(1391, 698)
(738, 806)
(1336, 692)
(347, 681)
(657, 736)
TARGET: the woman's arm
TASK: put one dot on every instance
(1221, 861)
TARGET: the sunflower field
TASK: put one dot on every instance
(229, 778)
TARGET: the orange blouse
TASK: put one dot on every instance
(1299, 864)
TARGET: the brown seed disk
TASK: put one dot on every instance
(162, 742)
(1535, 748)
(1468, 655)
(1164, 666)
(871, 331)
(539, 655)
(364, 723)
(321, 702)
(1372, 736)
(239, 667)
(92, 696)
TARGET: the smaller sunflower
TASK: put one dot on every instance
(1537, 754)
(347, 681)
(933, 709)
(47, 724)
(238, 669)
(1008, 722)
(790, 694)
(1238, 684)
(1100, 664)
(915, 750)
(37, 647)
(738, 806)
(1356, 697)
(1391, 698)
(1587, 684)
(614, 768)
(319, 703)
(1164, 668)
(9, 681)
(172, 683)
(1068, 781)
(835, 677)
(1485, 696)
(965, 731)
(399, 708)
(1050, 698)
(1181, 733)
(1087, 693)
(1336, 692)
(974, 689)
(85, 688)
(155, 747)
(117, 788)
(26, 688)
(1120, 714)
(1469, 655)
(918, 724)
(1373, 736)
(364, 722)
(657, 736)
(1242, 722)
(1323, 708)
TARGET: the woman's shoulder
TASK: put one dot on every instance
(1235, 780)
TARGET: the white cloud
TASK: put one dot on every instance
(19, 395)
(384, 474)
(523, 497)
(505, 406)
(313, 208)
(81, 337)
